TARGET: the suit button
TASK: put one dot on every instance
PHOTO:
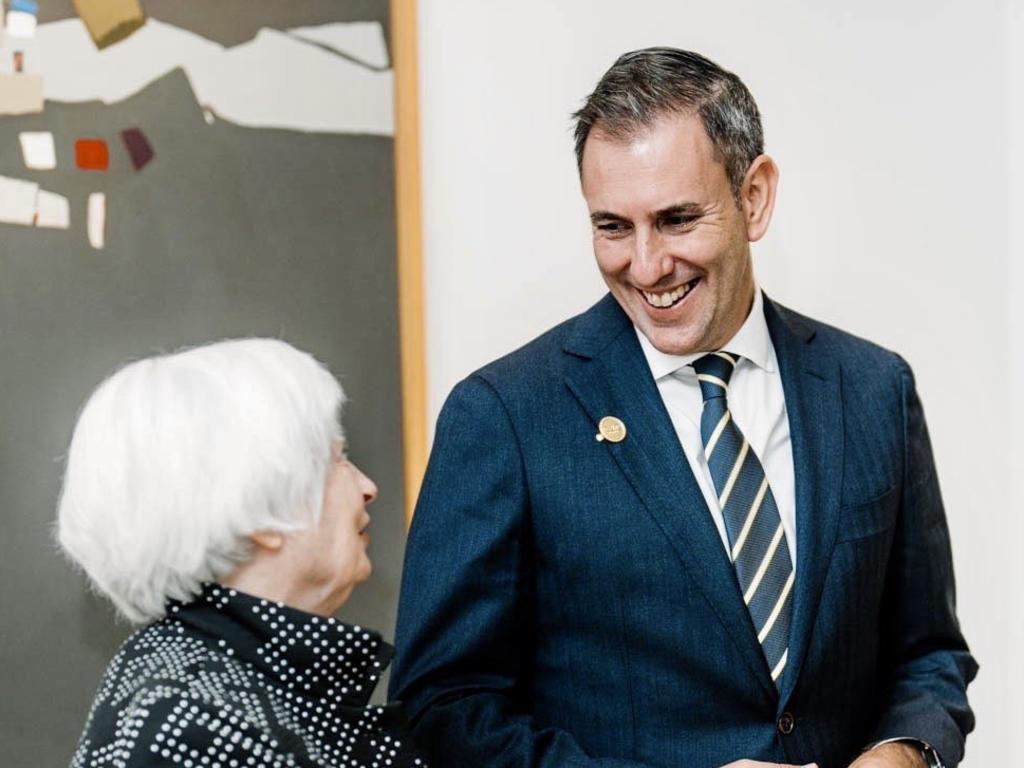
(786, 723)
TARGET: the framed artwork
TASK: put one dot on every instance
(174, 172)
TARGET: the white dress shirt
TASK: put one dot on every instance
(758, 407)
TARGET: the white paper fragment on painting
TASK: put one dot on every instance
(97, 219)
(298, 85)
(20, 94)
(17, 201)
(21, 24)
(276, 80)
(52, 210)
(362, 40)
(38, 150)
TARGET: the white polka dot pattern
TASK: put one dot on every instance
(233, 681)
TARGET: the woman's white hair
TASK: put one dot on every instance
(177, 459)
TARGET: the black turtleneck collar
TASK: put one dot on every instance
(310, 655)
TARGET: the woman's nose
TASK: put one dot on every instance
(368, 487)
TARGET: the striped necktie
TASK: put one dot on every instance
(757, 539)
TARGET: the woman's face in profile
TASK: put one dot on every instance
(334, 553)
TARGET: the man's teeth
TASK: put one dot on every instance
(669, 298)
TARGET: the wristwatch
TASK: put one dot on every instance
(931, 757)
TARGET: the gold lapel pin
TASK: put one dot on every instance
(611, 429)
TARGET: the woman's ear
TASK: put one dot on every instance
(757, 196)
(268, 540)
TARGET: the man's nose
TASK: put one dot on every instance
(651, 259)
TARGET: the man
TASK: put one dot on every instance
(688, 527)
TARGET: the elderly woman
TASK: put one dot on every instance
(209, 494)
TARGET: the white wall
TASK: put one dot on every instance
(1015, 305)
(891, 123)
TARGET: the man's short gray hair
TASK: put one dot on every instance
(177, 459)
(643, 86)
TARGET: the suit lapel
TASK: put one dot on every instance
(610, 377)
(811, 381)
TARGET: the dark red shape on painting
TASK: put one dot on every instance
(138, 146)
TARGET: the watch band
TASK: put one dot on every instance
(931, 757)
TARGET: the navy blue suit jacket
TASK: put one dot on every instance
(567, 601)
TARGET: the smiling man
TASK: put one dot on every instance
(689, 527)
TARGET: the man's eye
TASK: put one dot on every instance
(612, 228)
(678, 222)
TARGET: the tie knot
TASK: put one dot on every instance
(713, 373)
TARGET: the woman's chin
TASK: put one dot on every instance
(337, 599)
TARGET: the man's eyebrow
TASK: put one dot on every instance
(597, 216)
(678, 209)
(681, 209)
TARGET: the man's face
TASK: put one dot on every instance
(669, 239)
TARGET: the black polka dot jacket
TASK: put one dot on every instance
(233, 681)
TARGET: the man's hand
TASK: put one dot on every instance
(895, 754)
(759, 764)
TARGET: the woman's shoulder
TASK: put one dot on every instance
(175, 692)
(167, 693)
(163, 726)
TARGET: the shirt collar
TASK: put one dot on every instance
(751, 342)
(310, 654)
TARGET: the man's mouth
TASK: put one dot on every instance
(667, 299)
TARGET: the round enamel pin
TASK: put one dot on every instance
(611, 429)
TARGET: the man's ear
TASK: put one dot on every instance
(757, 196)
(268, 540)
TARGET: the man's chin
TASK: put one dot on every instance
(671, 341)
(669, 334)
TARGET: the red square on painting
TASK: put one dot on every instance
(92, 154)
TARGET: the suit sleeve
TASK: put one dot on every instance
(925, 658)
(465, 620)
